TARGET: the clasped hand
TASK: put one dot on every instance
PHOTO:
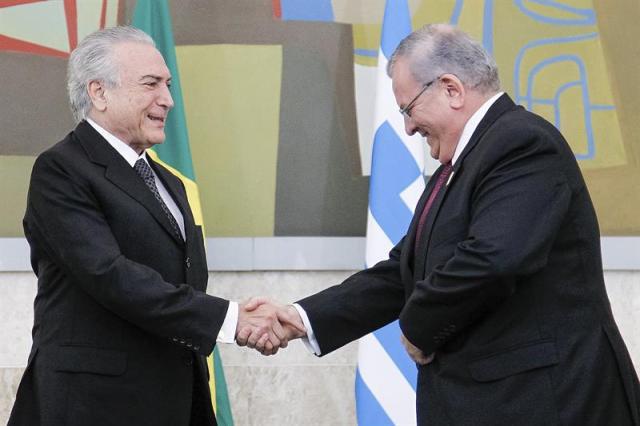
(267, 326)
(415, 353)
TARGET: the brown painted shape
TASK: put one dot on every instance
(35, 111)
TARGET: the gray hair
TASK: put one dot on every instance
(93, 60)
(438, 49)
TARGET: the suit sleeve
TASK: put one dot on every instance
(65, 220)
(516, 210)
(363, 303)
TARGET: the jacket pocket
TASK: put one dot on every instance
(86, 359)
(514, 361)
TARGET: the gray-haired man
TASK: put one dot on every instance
(498, 282)
(122, 323)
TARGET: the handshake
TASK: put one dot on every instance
(267, 326)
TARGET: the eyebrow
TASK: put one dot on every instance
(153, 77)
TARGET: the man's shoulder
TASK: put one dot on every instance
(65, 153)
(67, 145)
(519, 133)
(520, 119)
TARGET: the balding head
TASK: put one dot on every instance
(437, 49)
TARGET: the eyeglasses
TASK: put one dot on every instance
(406, 111)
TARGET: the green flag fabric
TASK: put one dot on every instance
(153, 17)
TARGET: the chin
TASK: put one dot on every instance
(156, 139)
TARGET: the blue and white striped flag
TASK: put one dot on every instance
(386, 376)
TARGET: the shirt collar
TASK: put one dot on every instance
(472, 124)
(128, 153)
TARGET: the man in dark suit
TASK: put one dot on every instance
(122, 323)
(498, 283)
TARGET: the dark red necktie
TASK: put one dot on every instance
(440, 183)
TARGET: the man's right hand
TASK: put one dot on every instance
(267, 326)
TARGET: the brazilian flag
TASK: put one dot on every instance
(153, 17)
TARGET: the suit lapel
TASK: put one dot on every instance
(121, 174)
(413, 226)
(425, 236)
(499, 107)
(407, 261)
(178, 194)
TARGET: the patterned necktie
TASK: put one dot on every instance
(144, 171)
(442, 178)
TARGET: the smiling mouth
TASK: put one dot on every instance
(156, 118)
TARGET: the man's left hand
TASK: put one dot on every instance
(415, 353)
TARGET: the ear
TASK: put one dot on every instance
(454, 90)
(96, 91)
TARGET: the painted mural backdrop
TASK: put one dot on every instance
(279, 98)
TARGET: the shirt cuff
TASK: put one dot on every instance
(227, 332)
(310, 340)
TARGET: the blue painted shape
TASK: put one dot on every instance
(307, 10)
(582, 82)
(582, 72)
(455, 15)
(393, 169)
(487, 27)
(369, 411)
(366, 52)
(583, 16)
(543, 101)
(396, 25)
(556, 99)
(389, 338)
(537, 43)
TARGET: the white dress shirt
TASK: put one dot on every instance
(470, 127)
(228, 330)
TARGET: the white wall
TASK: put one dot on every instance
(289, 388)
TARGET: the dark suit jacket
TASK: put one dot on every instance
(506, 287)
(122, 323)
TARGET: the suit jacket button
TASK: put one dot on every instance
(195, 348)
(187, 262)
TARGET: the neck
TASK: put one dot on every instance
(477, 100)
(138, 148)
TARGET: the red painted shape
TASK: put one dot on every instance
(15, 45)
(277, 9)
(9, 3)
(71, 13)
(103, 14)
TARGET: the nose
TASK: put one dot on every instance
(165, 98)
(409, 126)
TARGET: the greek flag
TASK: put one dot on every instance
(386, 376)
